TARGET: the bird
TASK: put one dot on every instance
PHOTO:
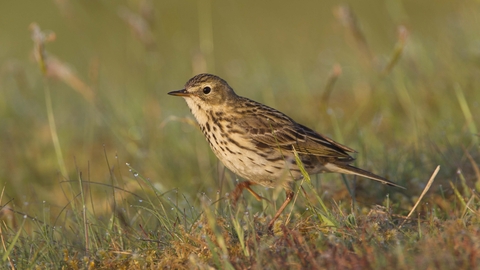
(258, 143)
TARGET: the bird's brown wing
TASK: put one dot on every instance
(270, 128)
(276, 130)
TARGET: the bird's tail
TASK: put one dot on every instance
(349, 169)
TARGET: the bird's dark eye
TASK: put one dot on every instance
(207, 90)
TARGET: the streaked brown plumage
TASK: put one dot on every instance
(256, 142)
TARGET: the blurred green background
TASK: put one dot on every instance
(407, 94)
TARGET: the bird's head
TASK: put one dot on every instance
(205, 91)
(207, 95)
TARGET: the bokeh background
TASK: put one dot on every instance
(399, 81)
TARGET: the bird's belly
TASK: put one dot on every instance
(266, 167)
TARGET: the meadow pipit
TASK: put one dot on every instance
(257, 142)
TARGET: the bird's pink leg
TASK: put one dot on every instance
(289, 198)
(245, 185)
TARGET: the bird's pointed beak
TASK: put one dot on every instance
(179, 93)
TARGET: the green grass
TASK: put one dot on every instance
(102, 169)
